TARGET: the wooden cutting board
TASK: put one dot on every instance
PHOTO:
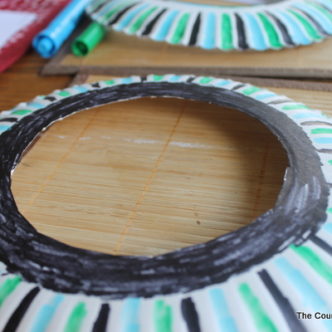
(120, 54)
(149, 176)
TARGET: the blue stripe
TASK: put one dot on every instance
(264, 96)
(221, 82)
(4, 127)
(130, 315)
(327, 227)
(323, 140)
(36, 105)
(256, 38)
(303, 116)
(124, 21)
(174, 78)
(319, 16)
(326, 3)
(295, 28)
(220, 308)
(127, 80)
(309, 296)
(209, 31)
(46, 314)
(80, 88)
(162, 33)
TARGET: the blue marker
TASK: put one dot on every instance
(49, 41)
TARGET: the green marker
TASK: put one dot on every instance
(88, 39)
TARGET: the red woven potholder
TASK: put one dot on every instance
(45, 11)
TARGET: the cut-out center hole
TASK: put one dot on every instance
(149, 176)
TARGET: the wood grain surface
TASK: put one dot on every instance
(149, 176)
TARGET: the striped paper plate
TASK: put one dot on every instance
(267, 276)
(262, 27)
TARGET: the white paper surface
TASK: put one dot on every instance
(12, 22)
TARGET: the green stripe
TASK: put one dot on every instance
(141, 19)
(322, 268)
(262, 321)
(8, 287)
(294, 107)
(329, 210)
(312, 32)
(110, 82)
(226, 32)
(206, 80)
(321, 131)
(76, 318)
(330, 162)
(64, 93)
(180, 29)
(270, 31)
(21, 112)
(162, 316)
(157, 78)
(250, 90)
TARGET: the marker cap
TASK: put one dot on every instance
(88, 39)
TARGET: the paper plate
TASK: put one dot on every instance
(262, 277)
(261, 27)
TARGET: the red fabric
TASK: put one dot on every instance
(46, 10)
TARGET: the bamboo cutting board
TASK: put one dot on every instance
(149, 176)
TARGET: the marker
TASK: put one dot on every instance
(88, 39)
(48, 42)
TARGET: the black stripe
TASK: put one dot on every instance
(20, 311)
(50, 98)
(117, 17)
(312, 123)
(313, 21)
(95, 85)
(282, 302)
(241, 33)
(321, 243)
(191, 79)
(8, 120)
(97, 8)
(195, 31)
(324, 150)
(190, 315)
(100, 324)
(151, 25)
(284, 31)
(238, 86)
(280, 101)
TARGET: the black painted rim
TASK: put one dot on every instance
(298, 213)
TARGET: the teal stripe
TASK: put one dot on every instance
(219, 304)
(323, 140)
(46, 313)
(130, 316)
(327, 227)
